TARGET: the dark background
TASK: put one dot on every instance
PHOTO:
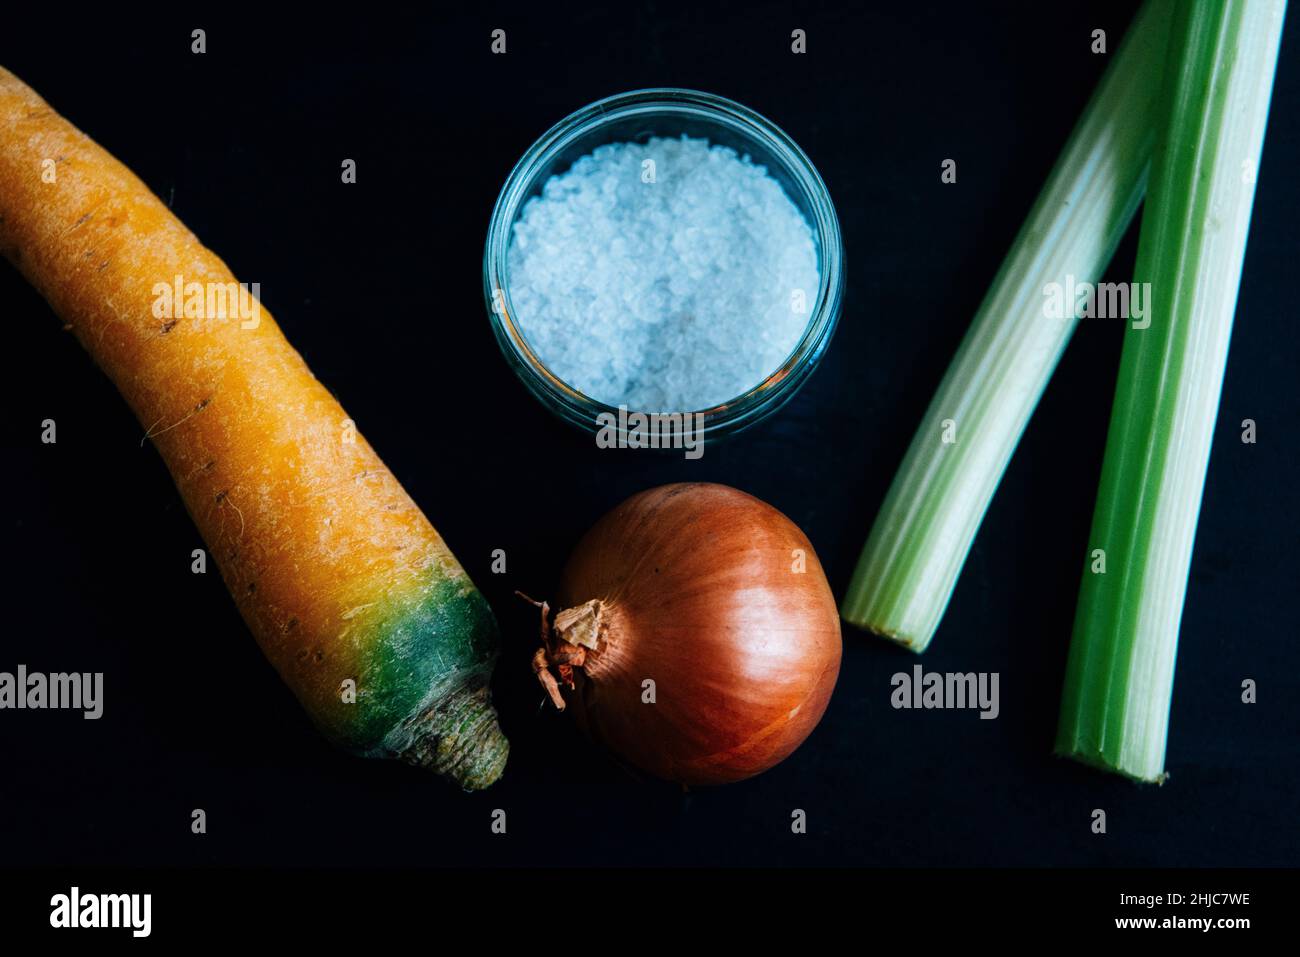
(379, 285)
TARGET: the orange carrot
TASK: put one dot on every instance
(346, 586)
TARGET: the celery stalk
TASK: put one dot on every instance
(1119, 679)
(925, 527)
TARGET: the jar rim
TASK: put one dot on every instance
(761, 399)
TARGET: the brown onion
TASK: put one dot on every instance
(717, 599)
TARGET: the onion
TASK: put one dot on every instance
(698, 638)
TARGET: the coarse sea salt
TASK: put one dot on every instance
(667, 276)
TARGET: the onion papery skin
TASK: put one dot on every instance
(699, 592)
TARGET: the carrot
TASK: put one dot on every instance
(349, 591)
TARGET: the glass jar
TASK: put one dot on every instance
(637, 117)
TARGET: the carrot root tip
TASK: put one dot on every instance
(458, 737)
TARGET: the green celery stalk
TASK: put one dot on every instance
(925, 527)
(1119, 679)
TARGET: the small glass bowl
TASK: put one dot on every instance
(636, 117)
